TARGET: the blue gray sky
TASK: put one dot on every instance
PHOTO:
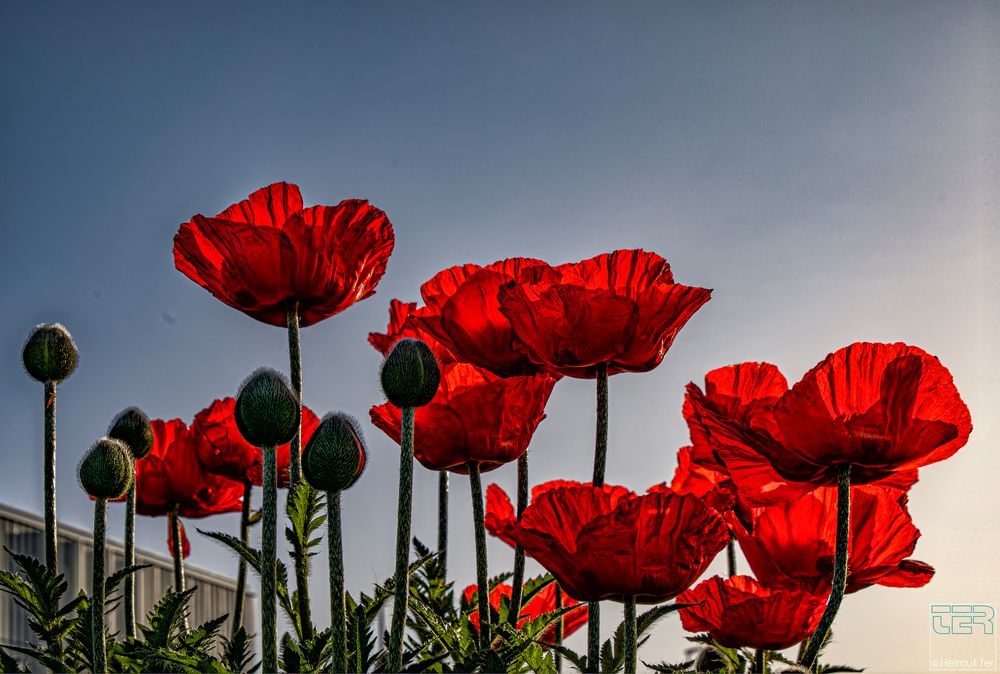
(830, 169)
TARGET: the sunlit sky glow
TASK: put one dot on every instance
(828, 169)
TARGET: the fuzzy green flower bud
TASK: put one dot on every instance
(267, 411)
(49, 353)
(335, 456)
(106, 470)
(410, 374)
(131, 426)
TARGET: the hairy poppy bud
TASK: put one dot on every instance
(335, 456)
(131, 426)
(49, 353)
(410, 374)
(267, 411)
(106, 470)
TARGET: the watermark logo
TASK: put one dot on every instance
(963, 637)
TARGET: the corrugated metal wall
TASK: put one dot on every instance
(22, 533)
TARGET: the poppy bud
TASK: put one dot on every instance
(335, 456)
(131, 426)
(106, 470)
(410, 374)
(267, 411)
(49, 353)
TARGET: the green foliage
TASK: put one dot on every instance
(613, 650)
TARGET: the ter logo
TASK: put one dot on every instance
(962, 619)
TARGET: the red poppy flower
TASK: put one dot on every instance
(500, 514)
(740, 612)
(734, 419)
(223, 451)
(791, 545)
(172, 476)
(268, 252)
(463, 314)
(475, 416)
(400, 328)
(622, 309)
(607, 543)
(543, 601)
(185, 543)
(713, 487)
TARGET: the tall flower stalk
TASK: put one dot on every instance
(410, 377)
(600, 463)
(105, 472)
(482, 573)
(333, 461)
(241, 571)
(442, 546)
(517, 580)
(631, 647)
(267, 414)
(49, 357)
(839, 566)
(177, 549)
(294, 466)
(132, 427)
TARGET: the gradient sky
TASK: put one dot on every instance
(829, 169)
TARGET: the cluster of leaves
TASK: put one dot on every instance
(711, 657)
(441, 635)
(63, 629)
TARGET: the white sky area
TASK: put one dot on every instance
(830, 170)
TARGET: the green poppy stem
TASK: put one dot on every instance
(338, 609)
(403, 516)
(177, 550)
(518, 579)
(731, 556)
(631, 646)
(269, 564)
(600, 462)
(130, 557)
(482, 576)
(51, 532)
(560, 623)
(759, 661)
(241, 572)
(839, 567)
(443, 523)
(295, 468)
(98, 643)
(295, 367)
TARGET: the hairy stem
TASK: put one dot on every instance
(518, 579)
(600, 461)
(177, 550)
(631, 648)
(295, 367)
(759, 661)
(443, 523)
(51, 533)
(269, 564)
(482, 575)
(130, 557)
(559, 626)
(601, 439)
(294, 466)
(403, 515)
(839, 567)
(337, 606)
(731, 556)
(241, 570)
(594, 636)
(98, 643)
